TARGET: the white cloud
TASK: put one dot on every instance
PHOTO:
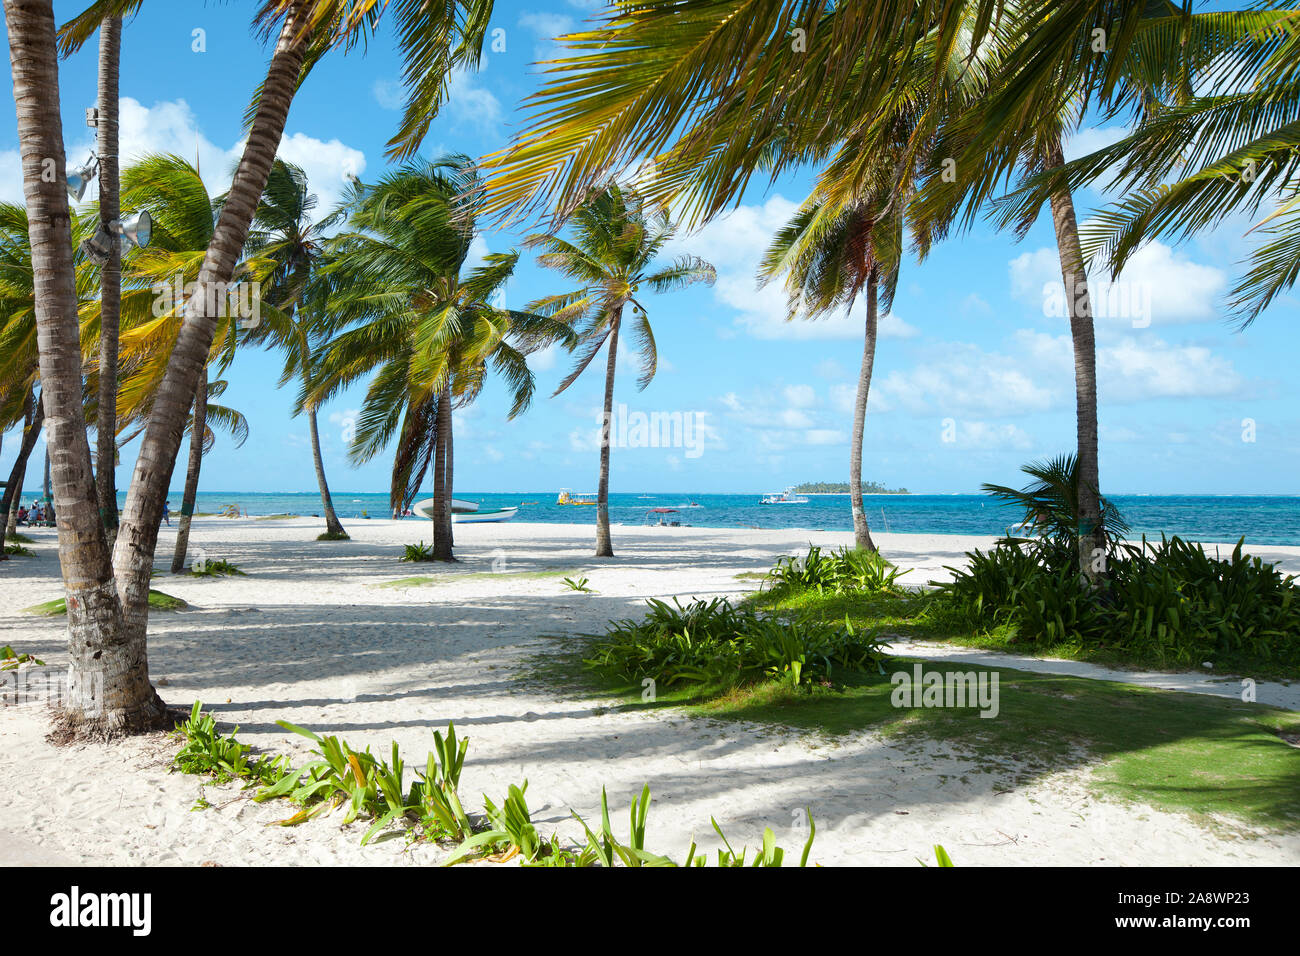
(825, 436)
(546, 27)
(389, 94)
(977, 434)
(471, 105)
(800, 396)
(1158, 286)
(966, 380)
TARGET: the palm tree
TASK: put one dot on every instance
(285, 235)
(152, 312)
(830, 256)
(616, 241)
(404, 311)
(108, 593)
(110, 45)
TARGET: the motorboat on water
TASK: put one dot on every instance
(569, 498)
(459, 506)
(787, 497)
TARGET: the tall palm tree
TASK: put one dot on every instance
(285, 234)
(151, 310)
(830, 256)
(108, 593)
(616, 241)
(110, 46)
(405, 311)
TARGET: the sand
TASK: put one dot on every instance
(308, 637)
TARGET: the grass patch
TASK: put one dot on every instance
(334, 536)
(19, 551)
(19, 538)
(1184, 752)
(157, 602)
(275, 517)
(918, 615)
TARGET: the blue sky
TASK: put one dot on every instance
(973, 374)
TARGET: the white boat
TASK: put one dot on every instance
(484, 517)
(787, 497)
(458, 506)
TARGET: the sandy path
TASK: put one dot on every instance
(306, 637)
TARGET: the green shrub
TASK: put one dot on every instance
(715, 643)
(19, 551)
(333, 536)
(418, 552)
(10, 659)
(1170, 603)
(219, 568)
(207, 752)
(840, 571)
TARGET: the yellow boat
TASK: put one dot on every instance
(566, 498)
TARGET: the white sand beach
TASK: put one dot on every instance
(308, 637)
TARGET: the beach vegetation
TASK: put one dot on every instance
(839, 571)
(579, 584)
(417, 552)
(19, 551)
(207, 752)
(715, 644)
(158, 601)
(10, 659)
(218, 568)
(334, 536)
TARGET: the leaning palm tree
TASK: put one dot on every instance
(160, 282)
(405, 311)
(616, 241)
(108, 592)
(285, 235)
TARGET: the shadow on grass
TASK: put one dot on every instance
(1176, 751)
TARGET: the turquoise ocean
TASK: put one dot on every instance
(1262, 519)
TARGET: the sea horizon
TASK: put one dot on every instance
(1210, 518)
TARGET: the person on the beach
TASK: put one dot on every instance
(167, 513)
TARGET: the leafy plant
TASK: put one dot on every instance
(769, 854)
(839, 572)
(510, 830)
(418, 552)
(604, 848)
(579, 585)
(10, 659)
(435, 797)
(941, 857)
(209, 753)
(334, 536)
(715, 643)
(19, 551)
(1050, 504)
(218, 568)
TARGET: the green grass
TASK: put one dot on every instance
(157, 602)
(1183, 752)
(909, 616)
(427, 579)
(275, 517)
(19, 551)
(19, 538)
(333, 536)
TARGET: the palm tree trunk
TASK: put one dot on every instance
(191, 476)
(451, 480)
(108, 689)
(14, 488)
(604, 546)
(441, 485)
(1091, 537)
(861, 530)
(110, 38)
(332, 525)
(138, 532)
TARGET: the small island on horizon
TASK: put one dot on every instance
(842, 488)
